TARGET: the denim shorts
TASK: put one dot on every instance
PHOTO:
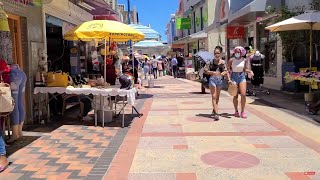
(238, 77)
(215, 81)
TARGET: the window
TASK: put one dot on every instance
(268, 47)
(201, 18)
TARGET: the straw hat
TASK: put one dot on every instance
(233, 89)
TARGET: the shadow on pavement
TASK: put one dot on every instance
(199, 93)
(17, 145)
(206, 116)
(144, 96)
(226, 115)
(158, 87)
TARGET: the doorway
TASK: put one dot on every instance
(15, 31)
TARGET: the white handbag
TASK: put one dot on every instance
(6, 100)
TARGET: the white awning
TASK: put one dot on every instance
(192, 37)
(199, 35)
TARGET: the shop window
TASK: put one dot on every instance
(271, 59)
(267, 45)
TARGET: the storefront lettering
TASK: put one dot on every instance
(235, 32)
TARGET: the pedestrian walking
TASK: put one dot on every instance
(160, 68)
(239, 66)
(155, 67)
(216, 69)
(146, 68)
(174, 64)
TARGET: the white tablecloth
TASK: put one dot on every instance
(131, 94)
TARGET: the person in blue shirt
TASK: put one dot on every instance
(174, 64)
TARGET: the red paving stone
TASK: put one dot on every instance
(261, 146)
(230, 159)
(297, 176)
(121, 163)
(186, 176)
(180, 147)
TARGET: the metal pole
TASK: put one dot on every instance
(311, 42)
(130, 42)
(310, 63)
(105, 60)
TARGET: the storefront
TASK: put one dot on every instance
(248, 15)
(25, 27)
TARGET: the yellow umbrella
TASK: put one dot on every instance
(98, 30)
(102, 29)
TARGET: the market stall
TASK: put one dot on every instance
(97, 31)
(99, 97)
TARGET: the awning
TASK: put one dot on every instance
(199, 35)
(192, 38)
(251, 11)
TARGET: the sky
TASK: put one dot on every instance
(154, 12)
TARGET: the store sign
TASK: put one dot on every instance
(183, 23)
(224, 11)
(235, 32)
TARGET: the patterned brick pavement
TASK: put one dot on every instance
(70, 152)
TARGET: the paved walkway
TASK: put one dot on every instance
(177, 140)
(70, 152)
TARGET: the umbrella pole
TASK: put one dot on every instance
(105, 60)
(310, 57)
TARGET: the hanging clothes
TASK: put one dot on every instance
(6, 50)
(257, 68)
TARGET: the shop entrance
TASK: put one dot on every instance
(15, 31)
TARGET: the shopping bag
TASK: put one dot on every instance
(6, 100)
(57, 79)
(233, 89)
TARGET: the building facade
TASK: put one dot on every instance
(31, 27)
(171, 29)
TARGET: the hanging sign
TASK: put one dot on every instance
(235, 32)
(183, 23)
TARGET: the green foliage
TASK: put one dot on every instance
(290, 39)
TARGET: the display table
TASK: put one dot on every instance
(312, 78)
(99, 93)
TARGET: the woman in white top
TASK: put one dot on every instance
(238, 66)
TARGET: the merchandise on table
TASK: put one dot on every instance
(312, 78)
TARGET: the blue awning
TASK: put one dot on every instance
(150, 34)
